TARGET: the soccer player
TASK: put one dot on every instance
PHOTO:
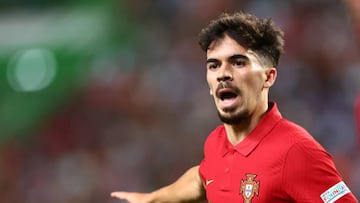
(256, 155)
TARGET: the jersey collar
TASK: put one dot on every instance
(248, 145)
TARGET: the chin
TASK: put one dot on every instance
(233, 118)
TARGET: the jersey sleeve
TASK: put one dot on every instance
(310, 176)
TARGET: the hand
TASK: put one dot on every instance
(133, 197)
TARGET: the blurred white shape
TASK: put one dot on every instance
(31, 70)
(81, 28)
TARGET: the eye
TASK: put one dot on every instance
(239, 63)
(212, 66)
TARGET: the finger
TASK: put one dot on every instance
(119, 195)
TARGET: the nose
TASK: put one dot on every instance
(224, 74)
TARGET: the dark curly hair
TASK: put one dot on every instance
(256, 34)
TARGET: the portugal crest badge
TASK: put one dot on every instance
(249, 188)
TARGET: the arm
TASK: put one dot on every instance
(188, 188)
(309, 175)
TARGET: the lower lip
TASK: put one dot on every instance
(228, 103)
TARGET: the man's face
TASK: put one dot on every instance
(236, 80)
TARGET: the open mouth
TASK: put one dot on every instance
(227, 94)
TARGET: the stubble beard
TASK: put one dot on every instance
(233, 118)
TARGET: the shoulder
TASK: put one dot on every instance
(287, 131)
(286, 126)
(216, 138)
(292, 142)
(217, 134)
(303, 149)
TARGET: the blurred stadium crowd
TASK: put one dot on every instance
(142, 111)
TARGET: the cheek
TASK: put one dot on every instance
(211, 82)
(254, 80)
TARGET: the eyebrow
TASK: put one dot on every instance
(233, 57)
(237, 56)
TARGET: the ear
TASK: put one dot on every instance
(271, 74)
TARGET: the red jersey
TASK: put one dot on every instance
(277, 162)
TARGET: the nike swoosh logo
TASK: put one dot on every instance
(208, 182)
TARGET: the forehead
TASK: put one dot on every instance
(225, 47)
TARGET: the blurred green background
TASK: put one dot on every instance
(47, 48)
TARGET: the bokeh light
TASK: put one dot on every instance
(31, 70)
